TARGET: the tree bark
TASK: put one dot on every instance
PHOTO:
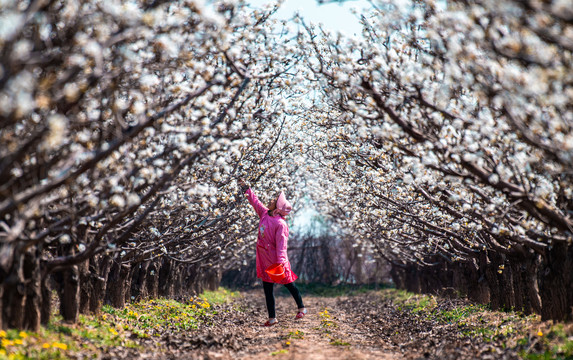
(398, 277)
(1, 306)
(507, 292)
(413, 279)
(117, 292)
(556, 280)
(164, 274)
(140, 284)
(33, 277)
(152, 280)
(477, 287)
(86, 288)
(70, 296)
(127, 272)
(46, 309)
(520, 301)
(491, 269)
(531, 283)
(14, 295)
(100, 280)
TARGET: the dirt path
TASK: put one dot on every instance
(236, 333)
(363, 326)
(324, 333)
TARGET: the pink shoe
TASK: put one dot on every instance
(300, 314)
(269, 323)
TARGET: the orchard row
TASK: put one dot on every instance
(439, 141)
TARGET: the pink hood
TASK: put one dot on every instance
(283, 206)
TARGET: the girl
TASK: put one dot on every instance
(272, 248)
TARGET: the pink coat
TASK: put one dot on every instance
(271, 241)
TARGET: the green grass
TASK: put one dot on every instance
(326, 322)
(58, 339)
(556, 341)
(338, 342)
(153, 317)
(112, 327)
(220, 296)
(297, 334)
(458, 314)
(415, 303)
(279, 352)
(478, 321)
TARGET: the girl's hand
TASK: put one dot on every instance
(243, 185)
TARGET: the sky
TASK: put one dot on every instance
(334, 16)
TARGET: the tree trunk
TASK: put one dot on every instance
(164, 275)
(100, 280)
(14, 295)
(398, 277)
(477, 289)
(116, 292)
(458, 281)
(193, 279)
(529, 278)
(140, 282)
(128, 273)
(70, 296)
(569, 282)
(516, 267)
(1, 306)
(491, 269)
(33, 276)
(152, 280)
(556, 280)
(46, 310)
(506, 286)
(212, 279)
(412, 279)
(86, 288)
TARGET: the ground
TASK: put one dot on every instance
(327, 332)
(365, 325)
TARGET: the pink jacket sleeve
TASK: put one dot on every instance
(281, 238)
(256, 203)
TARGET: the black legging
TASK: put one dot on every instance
(270, 296)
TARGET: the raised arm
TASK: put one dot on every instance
(253, 199)
(281, 237)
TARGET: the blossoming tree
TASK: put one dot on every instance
(438, 142)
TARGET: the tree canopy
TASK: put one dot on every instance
(439, 140)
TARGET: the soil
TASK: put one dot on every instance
(363, 326)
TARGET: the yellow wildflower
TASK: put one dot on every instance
(6, 342)
(288, 342)
(23, 334)
(60, 346)
(46, 346)
(539, 333)
(18, 342)
(2, 334)
(113, 331)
